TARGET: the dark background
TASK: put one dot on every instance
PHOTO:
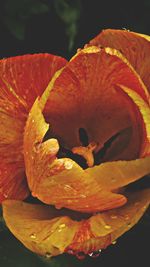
(60, 27)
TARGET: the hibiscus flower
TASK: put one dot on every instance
(75, 135)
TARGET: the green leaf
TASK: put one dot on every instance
(69, 12)
(17, 13)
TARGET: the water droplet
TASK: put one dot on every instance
(114, 242)
(58, 206)
(61, 227)
(34, 194)
(80, 255)
(129, 225)
(24, 96)
(78, 50)
(69, 201)
(86, 45)
(5, 195)
(144, 208)
(83, 196)
(71, 252)
(125, 29)
(33, 236)
(68, 165)
(48, 255)
(113, 217)
(32, 121)
(67, 187)
(107, 226)
(95, 254)
(126, 217)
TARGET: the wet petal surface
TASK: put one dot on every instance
(22, 78)
(87, 86)
(135, 47)
(61, 182)
(47, 231)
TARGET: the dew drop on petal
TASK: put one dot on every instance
(48, 255)
(71, 251)
(113, 216)
(67, 187)
(80, 255)
(83, 196)
(113, 179)
(61, 227)
(68, 165)
(107, 226)
(69, 201)
(34, 194)
(58, 207)
(126, 217)
(33, 236)
(144, 208)
(114, 242)
(95, 254)
(129, 225)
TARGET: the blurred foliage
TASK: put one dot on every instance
(17, 14)
(69, 12)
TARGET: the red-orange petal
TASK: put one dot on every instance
(61, 182)
(78, 92)
(50, 232)
(87, 86)
(22, 79)
(134, 46)
(144, 110)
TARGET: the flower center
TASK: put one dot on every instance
(86, 153)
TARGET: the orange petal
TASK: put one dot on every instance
(134, 46)
(87, 86)
(22, 78)
(61, 182)
(40, 228)
(50, 232)
(118, 221)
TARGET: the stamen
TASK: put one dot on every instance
(86, 152)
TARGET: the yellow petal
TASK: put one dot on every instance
(40, 228)
(112, 175)
(50, 232)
